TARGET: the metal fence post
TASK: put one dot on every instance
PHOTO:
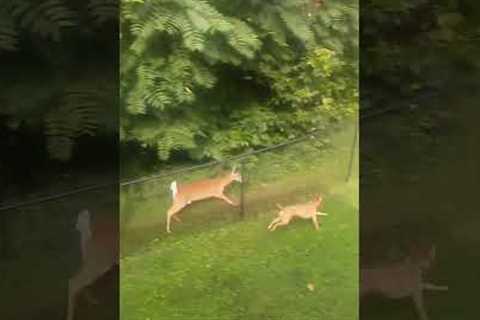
(3, 236)
(352, 150)
(242, 190)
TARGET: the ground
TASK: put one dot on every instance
(216, 265)
(243, 271)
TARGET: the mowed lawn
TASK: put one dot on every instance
(242, 271)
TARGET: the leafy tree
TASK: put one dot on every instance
(48, 87)
(211, 78)
(413, 48)
(415, 54)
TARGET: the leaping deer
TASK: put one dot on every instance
(304, 211)
(183, 195)
(403, 279)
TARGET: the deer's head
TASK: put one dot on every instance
(318, 200)
(235, 176)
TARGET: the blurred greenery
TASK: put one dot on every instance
(216, 265)
(207, 79)
(419, 58)
(242, 271)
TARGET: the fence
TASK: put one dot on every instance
(366, 115)
(154, 188)
(287, 173)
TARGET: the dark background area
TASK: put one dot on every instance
(419, 156)
(59, 87)
(420, 160)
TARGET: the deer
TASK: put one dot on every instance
(185, 194)
(99, 245)
(402, 279)
(304, 211)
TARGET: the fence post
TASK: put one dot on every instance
(352, 150)
(3, 236)
(242, 190)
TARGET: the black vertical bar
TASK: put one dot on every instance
(352, 150)
(3, 236)
(242, 191)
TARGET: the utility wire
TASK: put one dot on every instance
(16, 205)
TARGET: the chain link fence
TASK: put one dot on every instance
(289, 173)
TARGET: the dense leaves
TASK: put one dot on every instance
(411, 48)
(418, 57)
(54, 79)
(212, 78)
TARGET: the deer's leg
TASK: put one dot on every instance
(226, 199)
(315, 222)
(176, 218)
(275, 221)
(174, 209)
(280, 223)
(419, 305)
(433, 287)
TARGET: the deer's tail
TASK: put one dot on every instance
(174, 189)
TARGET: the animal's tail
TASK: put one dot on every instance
(174, 189)
(322, 214)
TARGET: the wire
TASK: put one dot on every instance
(16, 205)
(11, 206)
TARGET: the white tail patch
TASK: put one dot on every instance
(174, 189)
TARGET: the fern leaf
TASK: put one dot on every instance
(103, 10)
(47, 18)
(8, 34)
(75, 116)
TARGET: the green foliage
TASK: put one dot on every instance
(46, 18)
(212, 78)
(103, 10)
(76, 115)
(394, 33)
(414, 52)
(8, 33)
(60, 103)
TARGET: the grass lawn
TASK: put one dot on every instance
(242, 271)
(218, 266)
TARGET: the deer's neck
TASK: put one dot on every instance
(225, 181)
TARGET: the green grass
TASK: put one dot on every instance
(242, 271)
(286, 176)
(218, 266)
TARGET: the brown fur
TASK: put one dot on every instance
(200, 190)
(402, 279)
(303, 211)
